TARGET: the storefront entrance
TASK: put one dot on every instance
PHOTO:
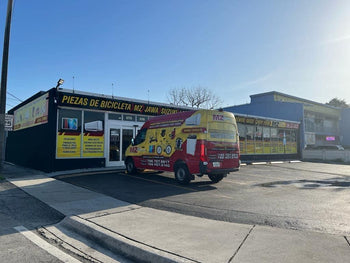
(119, 138)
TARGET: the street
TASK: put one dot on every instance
(303, 196)
(250, 212)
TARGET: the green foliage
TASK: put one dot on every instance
(340, 103)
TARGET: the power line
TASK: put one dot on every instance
(12, 99)
(14, 96)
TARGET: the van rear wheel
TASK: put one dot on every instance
(130, 166)
(215, 178)
(182, 175)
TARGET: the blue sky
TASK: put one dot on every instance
(234, 48)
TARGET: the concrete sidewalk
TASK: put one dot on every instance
(151, 235)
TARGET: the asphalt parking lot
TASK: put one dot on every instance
(297, 195)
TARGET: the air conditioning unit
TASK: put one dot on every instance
(94, 126)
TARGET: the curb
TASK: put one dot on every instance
(86, 171)
(119, 244)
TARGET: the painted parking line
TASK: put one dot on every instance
(54, 251)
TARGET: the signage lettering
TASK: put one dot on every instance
(90, 102)
(268, 123)
(218, 117)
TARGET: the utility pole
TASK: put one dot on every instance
(5, 57)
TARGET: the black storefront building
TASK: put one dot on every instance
(64, 129)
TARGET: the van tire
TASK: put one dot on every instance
(215, 178)
(182, 175)
(130, 166)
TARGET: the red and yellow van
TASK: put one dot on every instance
(189, 143)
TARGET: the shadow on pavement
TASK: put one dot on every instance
(136, 188)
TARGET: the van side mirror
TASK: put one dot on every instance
(132, 141)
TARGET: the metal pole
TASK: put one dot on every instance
(5, 56)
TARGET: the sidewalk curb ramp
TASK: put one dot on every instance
(120, 244)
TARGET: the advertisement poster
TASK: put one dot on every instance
(93, 143)
(68, 144)
(32, 114)
(72, 144)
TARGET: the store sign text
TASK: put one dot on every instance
(82, 101)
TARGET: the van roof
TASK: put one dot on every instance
(180, 116)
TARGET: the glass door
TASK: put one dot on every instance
(114, 145)
(119, 140)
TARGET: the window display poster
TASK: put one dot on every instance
(69, 124)
(68, 144)
(93, 144)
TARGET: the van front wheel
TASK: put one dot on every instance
(130, 166)
(215, 178)
(182, 174)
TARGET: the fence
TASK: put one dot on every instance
(326, 155)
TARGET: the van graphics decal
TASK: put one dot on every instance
(155, 161)
(164, 143)
(218, 117)
(172, 134)
(166, 124)
(134, 149)
(168, 149)
(178, 144)
(151, 148)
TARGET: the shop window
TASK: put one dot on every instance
(274, 140)
(93, 121)
(241, 131)
(293, 136)
(258, 133)
(267, 139)
(250, 145)
(259, 147)
(250, 132)
(266, 134)
(93, 139)
(69, 120)
(142, 118)
(242, 137)
(113, 116)
(128, 117)
(69, 134)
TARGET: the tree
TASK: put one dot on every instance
(196, 97)
(340, 103)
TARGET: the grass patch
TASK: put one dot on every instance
(2, 178)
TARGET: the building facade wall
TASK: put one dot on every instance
(345, 127)
(264, 139)
(274, 109)
(34, 146)
(320, 124)
(62, 130)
